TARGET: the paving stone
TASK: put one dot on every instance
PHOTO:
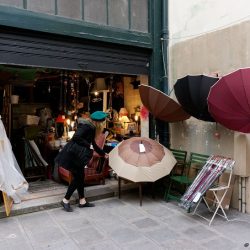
(108, 225)
(125, 235)
(103, 245)
(74, 224)
(220, 243)
(182, 220)
(45, 237)
(237, 230)
(9, 228)
(36, 222)
(12, 244)
(87, 236)
(123, 224)
(144, 244)
(158, 210)
(162, 234)
(128, 212)
(183, 244)
(113, 202)
(145, 223)
(65, 244)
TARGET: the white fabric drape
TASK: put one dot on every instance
(12, 180)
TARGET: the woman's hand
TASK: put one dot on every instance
(106, 156)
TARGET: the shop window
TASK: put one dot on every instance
(45, 6)
(71, 9)
(139, 15)
(95, 11)
(123, 14)
(14, 3)
(118, 13)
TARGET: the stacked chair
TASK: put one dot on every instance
(209, 180)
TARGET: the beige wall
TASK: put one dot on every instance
(222, 51)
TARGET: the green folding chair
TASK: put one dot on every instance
(179, 182)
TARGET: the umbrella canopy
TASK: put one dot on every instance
(192, 92)
(141, 159)
(161, 106)
(229, 100)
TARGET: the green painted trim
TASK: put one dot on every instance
(18, 18)
(82, 9)
(107, 12)
(25, 4)
(156, 69)
(129, 14)
(156, 78)
(56, 8)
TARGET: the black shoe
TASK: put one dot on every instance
(87, 204)
(66, 207)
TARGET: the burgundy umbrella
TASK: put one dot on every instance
(229, 100)
(161, 106)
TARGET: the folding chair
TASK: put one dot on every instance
(219, 192)
(184, 179)
(179, 175)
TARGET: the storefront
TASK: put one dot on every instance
(66, 56)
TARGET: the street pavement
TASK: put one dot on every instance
(123, 224)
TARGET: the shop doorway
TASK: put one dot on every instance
(34, 99)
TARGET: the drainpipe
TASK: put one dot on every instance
(243, 186)
(163, 127)
(240, 194)
(164, 43)
(159, 29)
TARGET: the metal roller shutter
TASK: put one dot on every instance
(20, 47)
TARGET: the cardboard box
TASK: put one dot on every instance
(28, 120)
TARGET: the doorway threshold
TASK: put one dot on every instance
(43, 195)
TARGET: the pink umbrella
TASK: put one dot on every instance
(141, 159)
(229, 100)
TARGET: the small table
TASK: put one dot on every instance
(140, 188)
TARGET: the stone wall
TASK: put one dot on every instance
(221, 52)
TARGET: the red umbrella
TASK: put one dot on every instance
(161, 106)
(229, 100)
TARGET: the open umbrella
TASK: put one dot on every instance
(192, 92)
(229, 100)
(160, 105)
(141, 159)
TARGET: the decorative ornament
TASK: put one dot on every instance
(144, 113)
(217, 135)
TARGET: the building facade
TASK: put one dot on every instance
(211, 38)
(110, 36)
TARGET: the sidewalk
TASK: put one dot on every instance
(122, 224)
(47, 194)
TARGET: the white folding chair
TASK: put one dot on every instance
(219, 192)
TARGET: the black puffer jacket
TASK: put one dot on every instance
(77, 152)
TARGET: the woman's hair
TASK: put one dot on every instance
(82, 113)
(99, 125)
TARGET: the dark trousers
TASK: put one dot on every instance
(76, 183)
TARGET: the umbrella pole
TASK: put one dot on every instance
(140, 192)
(119, 187)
